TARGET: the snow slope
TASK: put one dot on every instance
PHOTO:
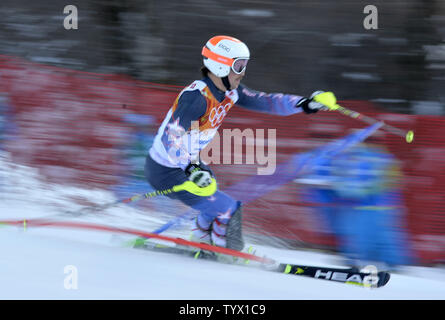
(32, 266)
(34, 261)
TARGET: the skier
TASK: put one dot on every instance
(192, 122)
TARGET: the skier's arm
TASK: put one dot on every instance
(277, 103)
(191, 107)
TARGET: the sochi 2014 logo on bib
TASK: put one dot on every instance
(217, 114)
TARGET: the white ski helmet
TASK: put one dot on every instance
(222, 53)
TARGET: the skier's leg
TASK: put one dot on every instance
(234, 233)
(223, 216)
(215, 212)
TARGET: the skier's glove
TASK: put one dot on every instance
(319, 100)
(202, 177)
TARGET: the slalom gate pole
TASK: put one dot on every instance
(298, 165)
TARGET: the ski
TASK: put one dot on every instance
(350, 276)
(176, 249)
(343, 275)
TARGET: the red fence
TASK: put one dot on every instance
(70, 126)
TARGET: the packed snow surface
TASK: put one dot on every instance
(56, 263)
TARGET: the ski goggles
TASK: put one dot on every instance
(238, 65)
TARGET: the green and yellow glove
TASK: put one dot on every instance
(319, 100)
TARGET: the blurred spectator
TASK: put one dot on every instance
(132, 181)
(358, 197)
(6, 124)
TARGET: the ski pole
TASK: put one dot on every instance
(188, 186)
(329, 100)
(408, 135)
